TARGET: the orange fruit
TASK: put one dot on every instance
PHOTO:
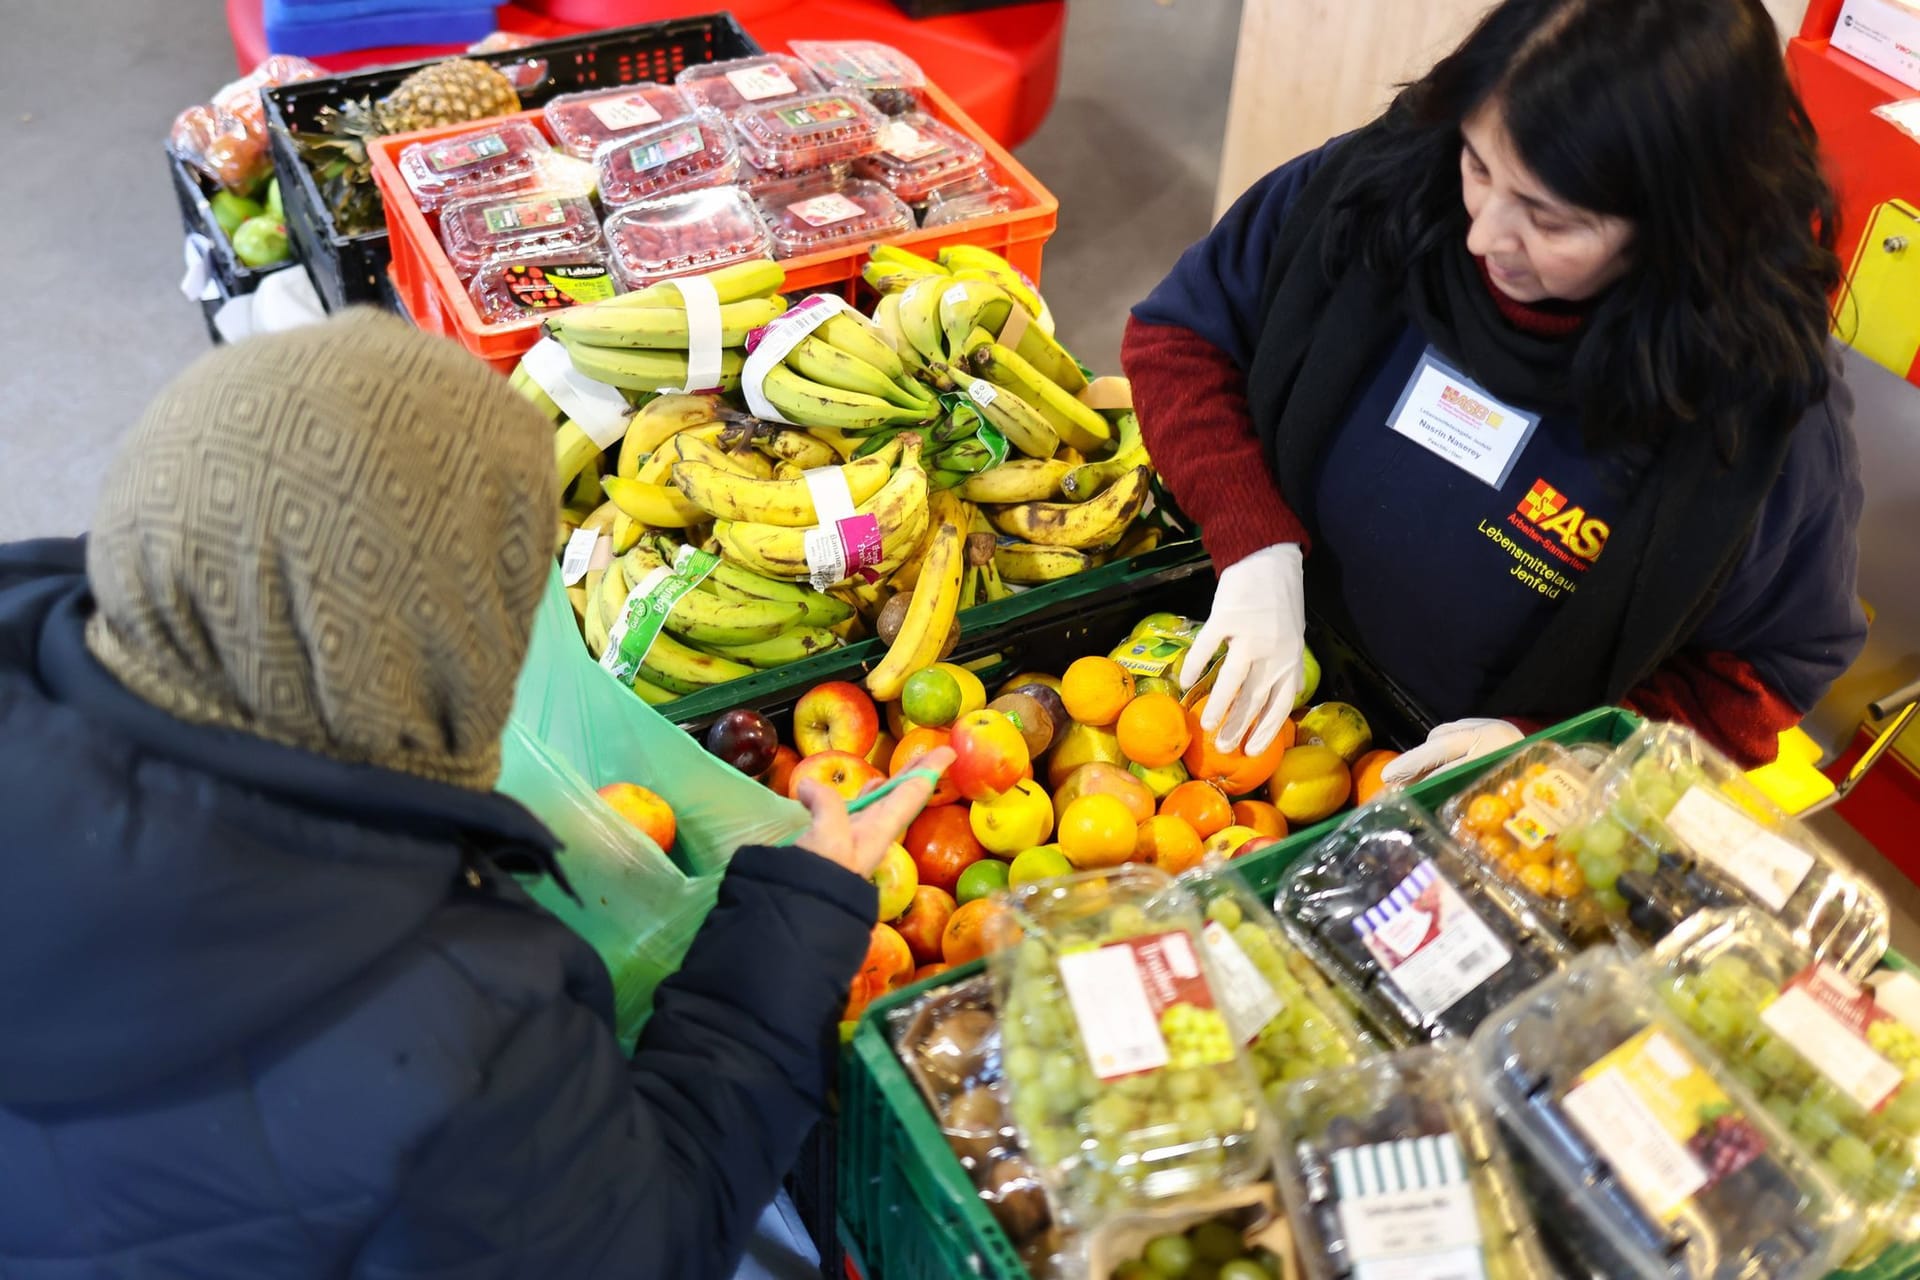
(1097, 831)
(1261, 816)
(1234, 772)
(1202, 805)
(1366, 774)
(914, 744)
(1488, 813)
(974, 929)
(1096, 690)
(1153, 730)
(1310, 784)
(1170, 844)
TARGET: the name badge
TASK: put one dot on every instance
(1447, 413)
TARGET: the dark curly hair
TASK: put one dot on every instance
(1677, 115)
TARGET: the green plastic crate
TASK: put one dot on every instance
(908, 1206)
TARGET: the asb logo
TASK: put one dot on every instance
(1470, 407)
(1546, 507)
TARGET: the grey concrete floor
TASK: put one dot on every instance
(89, 87)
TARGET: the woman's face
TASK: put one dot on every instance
(1536, 246)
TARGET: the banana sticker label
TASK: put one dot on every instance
(1448, 414)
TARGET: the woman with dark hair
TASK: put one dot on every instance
(1537, 365)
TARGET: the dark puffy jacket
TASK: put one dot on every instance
(269, 1015)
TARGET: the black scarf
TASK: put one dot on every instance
(1680, 533)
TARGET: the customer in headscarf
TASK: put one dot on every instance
(273, 1005)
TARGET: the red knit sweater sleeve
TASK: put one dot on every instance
(1192, 403)
(1723, 698)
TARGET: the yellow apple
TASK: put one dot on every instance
(1014, 821)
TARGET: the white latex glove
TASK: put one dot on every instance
(1260, 615)
(1450, 744)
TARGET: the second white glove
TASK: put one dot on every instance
(1260, 615)
(1450, 744)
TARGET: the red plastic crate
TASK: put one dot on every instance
(433, 295)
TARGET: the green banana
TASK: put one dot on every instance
(970, 261)
(940, 478)
(1025, 428)
(678, 668)
(971, 455)
(659, 328)
(709, 619)
(967, 305)
(652, 694)
(522, 381)
(821, 361)
(788, 646)
(810, 403)
(856, 335)
(573, 452)
(822, 610)
(1089, 478)
(645, 370)
(735, 283)
(1078, 425)
(920, 322)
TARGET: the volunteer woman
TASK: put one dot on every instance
(1529, 380)
(275, 1006)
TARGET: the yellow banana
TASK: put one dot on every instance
(601, 518)
(1024, 562)
(740, 281)
(779, 551)
(1088, 479)
(815, 358)
(962, 259)
(809, 403)
(788, 646)
(1017, 480)
(1053, 362)
(966, 305)
(608, 594)
(522, 381)
(930, 616)
(920, 322)
(1078, 425)
(844, 443)
(698, 446)
(661, 328)
(822, 610)
(677, 668)
(573, 452)
(577, 597)
(657, 506)
(886, 318)
(785, 502)
(856, 335)
(1098, 523)
(658, 421)
(1140, 540)
(1024, 426)
(642, 370)
(800, 448)
(626, 531)
(658, 469)
(944, 506)
(652, 694)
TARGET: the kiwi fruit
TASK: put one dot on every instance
(975, 1124)
(1033, 720)
(893, 614)
(956, 1050)
(1015, 1198)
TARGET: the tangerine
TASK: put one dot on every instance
(914, 744)
(1488, 813)
(1367, 782)
(1235, 772)
(1096, 690)
(1203, 805)
(1097, 831)
(1153, 730)
(974, 929)
(1170, 844)
(1262, 817)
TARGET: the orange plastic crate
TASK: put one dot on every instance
(425, 281)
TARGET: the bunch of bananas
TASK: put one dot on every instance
(846, 376)
(638, 341)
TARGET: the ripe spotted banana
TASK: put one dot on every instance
(779, 551)
(659, 420)
(696, 446)
(658, 328)
(1078, 425)
(732, 284)
(1098, 523)
(1026, 563)
(645, 370)
(788, 646)
(1024, 426)
(813, 404)
(816, 358)
(798, 447)
(930, 615)
(1090, 478)
(788, 502)
(1018, 480)
(657, 506)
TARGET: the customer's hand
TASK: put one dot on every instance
(859, 841)
(1260, 614)
(1449, 744)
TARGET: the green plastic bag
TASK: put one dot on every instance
(574, 729)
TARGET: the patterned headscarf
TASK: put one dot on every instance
(334, 539)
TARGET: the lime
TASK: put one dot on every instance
(931, 697)
(1043, 863)
(982, 879)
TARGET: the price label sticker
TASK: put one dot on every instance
(622, 114)
(1430, 942)
(757, 84)
(982, 392)
(579, 555)
(824, 211)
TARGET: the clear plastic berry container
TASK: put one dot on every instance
(1423, 940)
(1828, 1063)
(697, 150)
(805, 133)
(919, 155)
(854, 212)
(947, 206)
(1511, 820)
(582, 123)
(1290, 1022)
(1651, 1156)
(770, 186)
(504, 155)
(739, 84)
(891, 80)
(1679, 828)
(1121, 1070)
(679, 235)
(510, 290)
(1393, 1167)
(481, 229)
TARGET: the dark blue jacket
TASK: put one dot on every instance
(269, 1015)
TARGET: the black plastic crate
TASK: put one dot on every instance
(351, 269)
(233, 277)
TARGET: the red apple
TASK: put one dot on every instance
(990, 755)
(925, 921)
(841, 770)
(943, 845)
(1254, 845)
(836, 716)
(779, 777)
(744, 739)
(643, 809)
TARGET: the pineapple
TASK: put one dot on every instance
(451, 92)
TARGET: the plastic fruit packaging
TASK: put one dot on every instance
(805, 133)
(1418, 936)
(1121, 1071)
(582, 123)
(1656, 1161)
(889, 78)
(502, 156)
(1356, 1141)
(1511, 820)
(948, 205)
(1679, 828)
(509, 290)
(680, 234)
(479, 230)
(1278, 1005)
(770, 187)
(696, 150)
(852, 212)
(949, 1041)
(919, 155)
(1233, 1235)
(1825, 1061)
(740, 83)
